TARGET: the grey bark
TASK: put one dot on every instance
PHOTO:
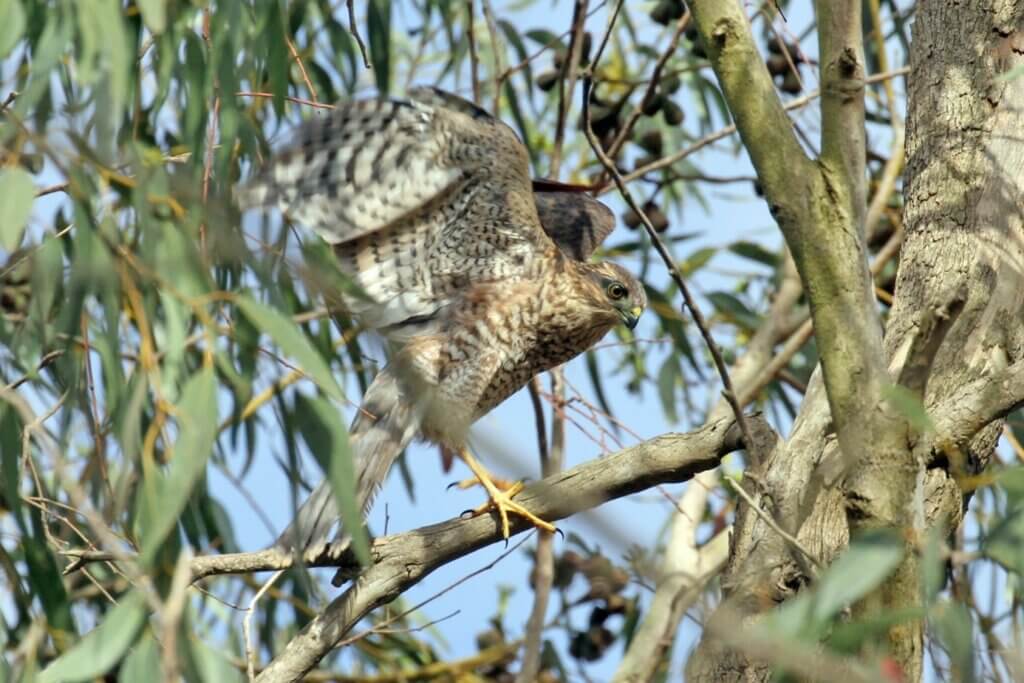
(963, 260)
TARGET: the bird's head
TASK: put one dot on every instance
(617, 292)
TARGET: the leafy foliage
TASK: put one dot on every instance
(152, 337)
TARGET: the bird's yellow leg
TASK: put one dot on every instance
(500, 493)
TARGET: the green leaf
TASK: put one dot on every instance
(45, 582)
(1005, 542)
(154, 14)
(864, 565)
(142, 663)
(196, 415)
(755, 252)
(696, 260)
(734, 310)
(17, 192)
(10, 452)
(907, 404)
(102, 647)
(668, 379)
(545, 38)
(11, 27)
(287, 335)
(210, 664)
(522, 54)
(952, 623)
(47, 275)
(1015, 72)
(378, 20)
(320, 425)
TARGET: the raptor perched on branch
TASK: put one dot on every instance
(477, 282)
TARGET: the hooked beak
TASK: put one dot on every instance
(632, 316)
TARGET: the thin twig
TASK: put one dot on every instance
(211, 135)
(698, 318)
(538, 416)
(174, 608)
(474, 59)
(354, 30)
(250, 652)
(302, 69)
(703, 142)
(767, 519)
(497, 51)
(567, 82)
(295, 100)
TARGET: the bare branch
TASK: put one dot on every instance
(974, 405)
(685, 570)
(843, 142)
(353, 28)
(761, 120)
(402, 561)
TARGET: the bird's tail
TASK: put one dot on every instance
(385, 424)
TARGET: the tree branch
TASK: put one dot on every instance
(843, 144)
(820, 208)
(403, 560)
(683, 573)
(974, 405)
(761, 120)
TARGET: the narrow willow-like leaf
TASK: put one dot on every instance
(17, 192)
(287, 335)
(154, 14)
(196, 415)
(378, 20)
(320, 424)
(12, 27)
(102, 647)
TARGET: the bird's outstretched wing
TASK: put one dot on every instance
(421, 197)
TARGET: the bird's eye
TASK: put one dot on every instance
(616, 291)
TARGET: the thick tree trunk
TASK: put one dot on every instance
(963, 260)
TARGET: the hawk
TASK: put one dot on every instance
(476, 282)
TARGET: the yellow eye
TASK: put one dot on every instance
(616, 291)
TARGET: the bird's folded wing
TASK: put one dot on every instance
(577, 222)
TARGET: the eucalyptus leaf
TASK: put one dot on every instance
(196, 415)
(17, 192)
(12, 27)
(288, 337)
(320, 424)
(103, 647)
